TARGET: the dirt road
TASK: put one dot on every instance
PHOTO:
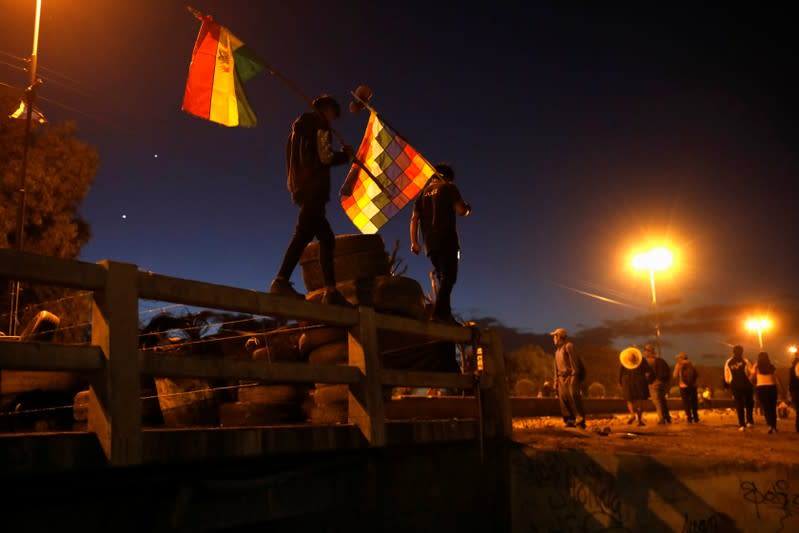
(716, 437)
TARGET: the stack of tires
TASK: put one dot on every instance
(363, 277)
(269, 403)
(326, 345)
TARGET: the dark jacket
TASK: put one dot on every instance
(309, 157)
(660, 373)
(793, 380)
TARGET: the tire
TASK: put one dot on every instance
(354, 257)
(315, 337)
(332, 353)
(326, 394)
(347, 243)
(354, 266)
(399, 295)
(281, 346)
(266, 394)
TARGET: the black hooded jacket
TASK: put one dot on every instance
(309, 157)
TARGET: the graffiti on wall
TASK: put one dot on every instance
(776, 496)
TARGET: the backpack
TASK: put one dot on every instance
(580, 370)
(688, 374)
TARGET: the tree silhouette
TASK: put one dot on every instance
(59, 173)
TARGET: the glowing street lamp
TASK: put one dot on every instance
(655, 260)
(759, 325)
(792, 350)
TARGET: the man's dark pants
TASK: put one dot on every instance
(690, 403)
(571, 399)
(445, 263)
(744, 405)
(311, 222)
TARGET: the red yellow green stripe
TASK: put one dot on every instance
(220, 64)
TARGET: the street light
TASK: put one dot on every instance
(759, 325)
(657, 259)
(30, 96)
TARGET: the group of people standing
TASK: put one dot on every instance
(648, 376)
(748, 381)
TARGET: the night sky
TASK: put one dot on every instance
(577, 133)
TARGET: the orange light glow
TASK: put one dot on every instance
(655, 260)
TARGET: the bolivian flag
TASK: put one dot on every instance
(220, 65)
(401, 172)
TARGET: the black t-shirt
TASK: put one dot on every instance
(435, 206)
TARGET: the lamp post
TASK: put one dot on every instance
(758, 325)
(30, 96)
(655, 260)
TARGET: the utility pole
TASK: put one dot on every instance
(29, 98)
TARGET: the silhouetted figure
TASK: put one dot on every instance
(633, 383)
(737, 374)
(767, 384)
(569, 374)
(793, 386)
(686, 374)
(434, 212)
(309, 156)
(658, 379)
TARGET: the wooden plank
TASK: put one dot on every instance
(114, 407)
(437, 330)
(495, 400)
(47, 356)
(25, 266)
(201, 294)
(366, 400)
(159, 364)
(443, 380)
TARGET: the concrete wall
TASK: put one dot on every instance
(568, 491)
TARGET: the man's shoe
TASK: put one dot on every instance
(282, 287)
(750, 425)
(570, 424)
(334, 297)
(581, 424)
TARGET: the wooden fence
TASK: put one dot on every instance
(114, 362)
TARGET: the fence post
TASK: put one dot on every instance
(366, 400)
(496, 399)
(114, 404)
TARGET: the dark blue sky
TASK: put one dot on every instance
(576, 133)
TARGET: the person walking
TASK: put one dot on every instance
(793, 386)
(768, 386)
(737, 376)
(569, 373)
(434, 212)
(309, 156)
(686, 374)
(633, 382)
(658, 379)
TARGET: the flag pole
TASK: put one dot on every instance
(30, 96)
(293, 86)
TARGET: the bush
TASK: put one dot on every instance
(596, 390)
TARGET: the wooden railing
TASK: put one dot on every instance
(114, 362)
